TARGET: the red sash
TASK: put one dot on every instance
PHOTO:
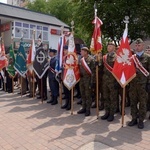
(85, 66)
(139, 66)
(108, 67)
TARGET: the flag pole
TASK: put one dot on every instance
(97, 90)
(33, 70)
(72, 27)
(21, 86)
(123, 105)
(60, 84)
(12, 85)
(41, 90)
(126, 21)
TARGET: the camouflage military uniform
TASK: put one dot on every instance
(86, 82)
(137, 91)
(109, 86)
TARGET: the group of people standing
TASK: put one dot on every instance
(109, 89)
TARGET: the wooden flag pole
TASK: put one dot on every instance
(32, 70)
(41, 91)
(60, 92)
(12, 85)
(72, 101)
(33, 85)
(97, 89)
(21, 86)
(123, 105)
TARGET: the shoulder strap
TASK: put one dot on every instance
(108, 67)
(140, 66)
(85, 66)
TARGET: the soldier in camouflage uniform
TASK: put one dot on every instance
(87, 74)
(139, 85)
(110, 85)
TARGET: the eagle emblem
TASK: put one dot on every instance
(123, 57)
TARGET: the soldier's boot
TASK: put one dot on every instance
(110, 118)
(79, 102)
(87, 113)
(132, 122)
(69, 105)
(65, 105)
(101, 106)
(141, 124)
(54, 101)
(82, 111)
(105, 116)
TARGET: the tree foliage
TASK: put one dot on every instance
(111, 12)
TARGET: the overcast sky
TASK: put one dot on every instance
(3, 1)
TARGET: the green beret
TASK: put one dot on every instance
(138, 41)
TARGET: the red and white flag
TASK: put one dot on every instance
(124, 69)
(96, 42)
(71, 69)
(3, 59)
(31, 56)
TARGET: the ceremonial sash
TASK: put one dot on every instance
(108, 67)
(52, 70)
(85, 66)
(139, 66)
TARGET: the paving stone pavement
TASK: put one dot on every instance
(27, 124)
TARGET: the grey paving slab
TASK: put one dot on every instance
(27, 124)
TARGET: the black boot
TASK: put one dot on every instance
(110, 118)
(141, 124)
(132, 122)
(65, 105)
(69, 105)
(105, 116)
(52, 99)
(55, 101)
(81, 111)
(87, 113)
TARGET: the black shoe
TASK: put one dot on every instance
(110, 118)
(81, 111)
(132, 122)
(87, 113)
(94, 105)
(105, 116)
(19, 93)
(79, 102)
(68, 107)
(50, 101)
(45, 98)
(39, 97)
(141, 125)
(64, 106)
(29, 95)
(54, 103)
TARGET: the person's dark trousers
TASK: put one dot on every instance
(9, 84)
(54, 86)
(77, 87)
(44, 82)
(38, 84)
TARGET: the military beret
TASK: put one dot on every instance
(148, 47)
(53, 50)
(65, 47)
(111, 43)
(138, 41)
(85, 48)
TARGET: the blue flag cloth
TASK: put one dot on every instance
(20, 63)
